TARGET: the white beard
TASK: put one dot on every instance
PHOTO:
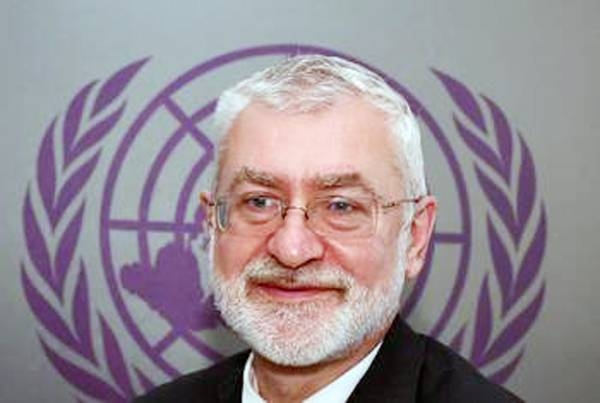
(307, 332)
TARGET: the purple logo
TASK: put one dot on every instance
(159, 320)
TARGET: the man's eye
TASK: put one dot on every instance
(259, 202)
(340, 206)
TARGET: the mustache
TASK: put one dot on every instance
(313, 275)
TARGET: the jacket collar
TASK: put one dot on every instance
(229, 388)
(393, 375)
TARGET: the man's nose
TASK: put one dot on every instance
(294, 243)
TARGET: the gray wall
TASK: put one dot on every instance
(538, 60)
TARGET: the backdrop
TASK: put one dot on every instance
(107, 141)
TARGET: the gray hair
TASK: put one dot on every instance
(308, 83)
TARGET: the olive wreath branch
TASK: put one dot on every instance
(516, 264)
(87, 121)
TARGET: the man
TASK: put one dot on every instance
(318, 214)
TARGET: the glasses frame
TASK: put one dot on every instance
(283, 208)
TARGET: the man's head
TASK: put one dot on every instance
(319, 208)
(310, 83)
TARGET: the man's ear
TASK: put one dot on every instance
(206, 201)
(421, 230)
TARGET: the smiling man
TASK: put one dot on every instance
(319, 214)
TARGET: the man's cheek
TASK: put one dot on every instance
(225, 259)
(365, 260)
(232, 255)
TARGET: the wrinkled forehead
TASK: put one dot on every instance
(346, 143)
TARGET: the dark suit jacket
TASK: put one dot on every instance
(408, 368)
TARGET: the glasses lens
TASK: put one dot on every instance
(248, 214)
(222, 214)
(343, 217)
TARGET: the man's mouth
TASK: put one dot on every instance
(292, 292)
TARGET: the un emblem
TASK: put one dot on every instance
(160, 321)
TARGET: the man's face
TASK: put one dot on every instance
(293, 287)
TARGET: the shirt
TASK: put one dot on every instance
(337, 391)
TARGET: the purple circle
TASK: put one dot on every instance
(163, 100)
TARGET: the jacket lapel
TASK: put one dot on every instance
(393, 375)
(229, 389)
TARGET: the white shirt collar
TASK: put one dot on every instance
(337, 391)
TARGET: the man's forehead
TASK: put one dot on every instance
(348, 143)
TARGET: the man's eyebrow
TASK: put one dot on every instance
(257, 177)
(343, 179)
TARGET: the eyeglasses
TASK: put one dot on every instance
(257, 214)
